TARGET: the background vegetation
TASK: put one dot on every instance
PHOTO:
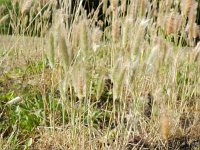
(69, 80)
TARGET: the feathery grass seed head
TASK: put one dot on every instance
(63, 48)
(118, 84)
(173, 23)
(165, 127)
(114, 4)
(79, 81)
(96, 38)
(193, 12)
(51, 50)
(186, 6)
(26, 6)
(126, 31)
(84, 36)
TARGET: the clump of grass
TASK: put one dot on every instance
(108, 85)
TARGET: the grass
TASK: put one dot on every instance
(130, 81)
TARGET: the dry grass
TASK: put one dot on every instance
(133, 85)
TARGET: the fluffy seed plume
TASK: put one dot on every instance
(193, 31)
(126, 30)
(118, 84)
(79, 81)
(193, 13)
(114, 71)
(115, 30)
(173, 23)
(26, 6)
(139, 34)
(75, 36)
(14, 101)
(153, 57)
(115, 21)
(51, 50)
(84, 37)
(63, 48)
(124, 5)
(96, 38)
(114, 4)
(186, 6)
(165, 127)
